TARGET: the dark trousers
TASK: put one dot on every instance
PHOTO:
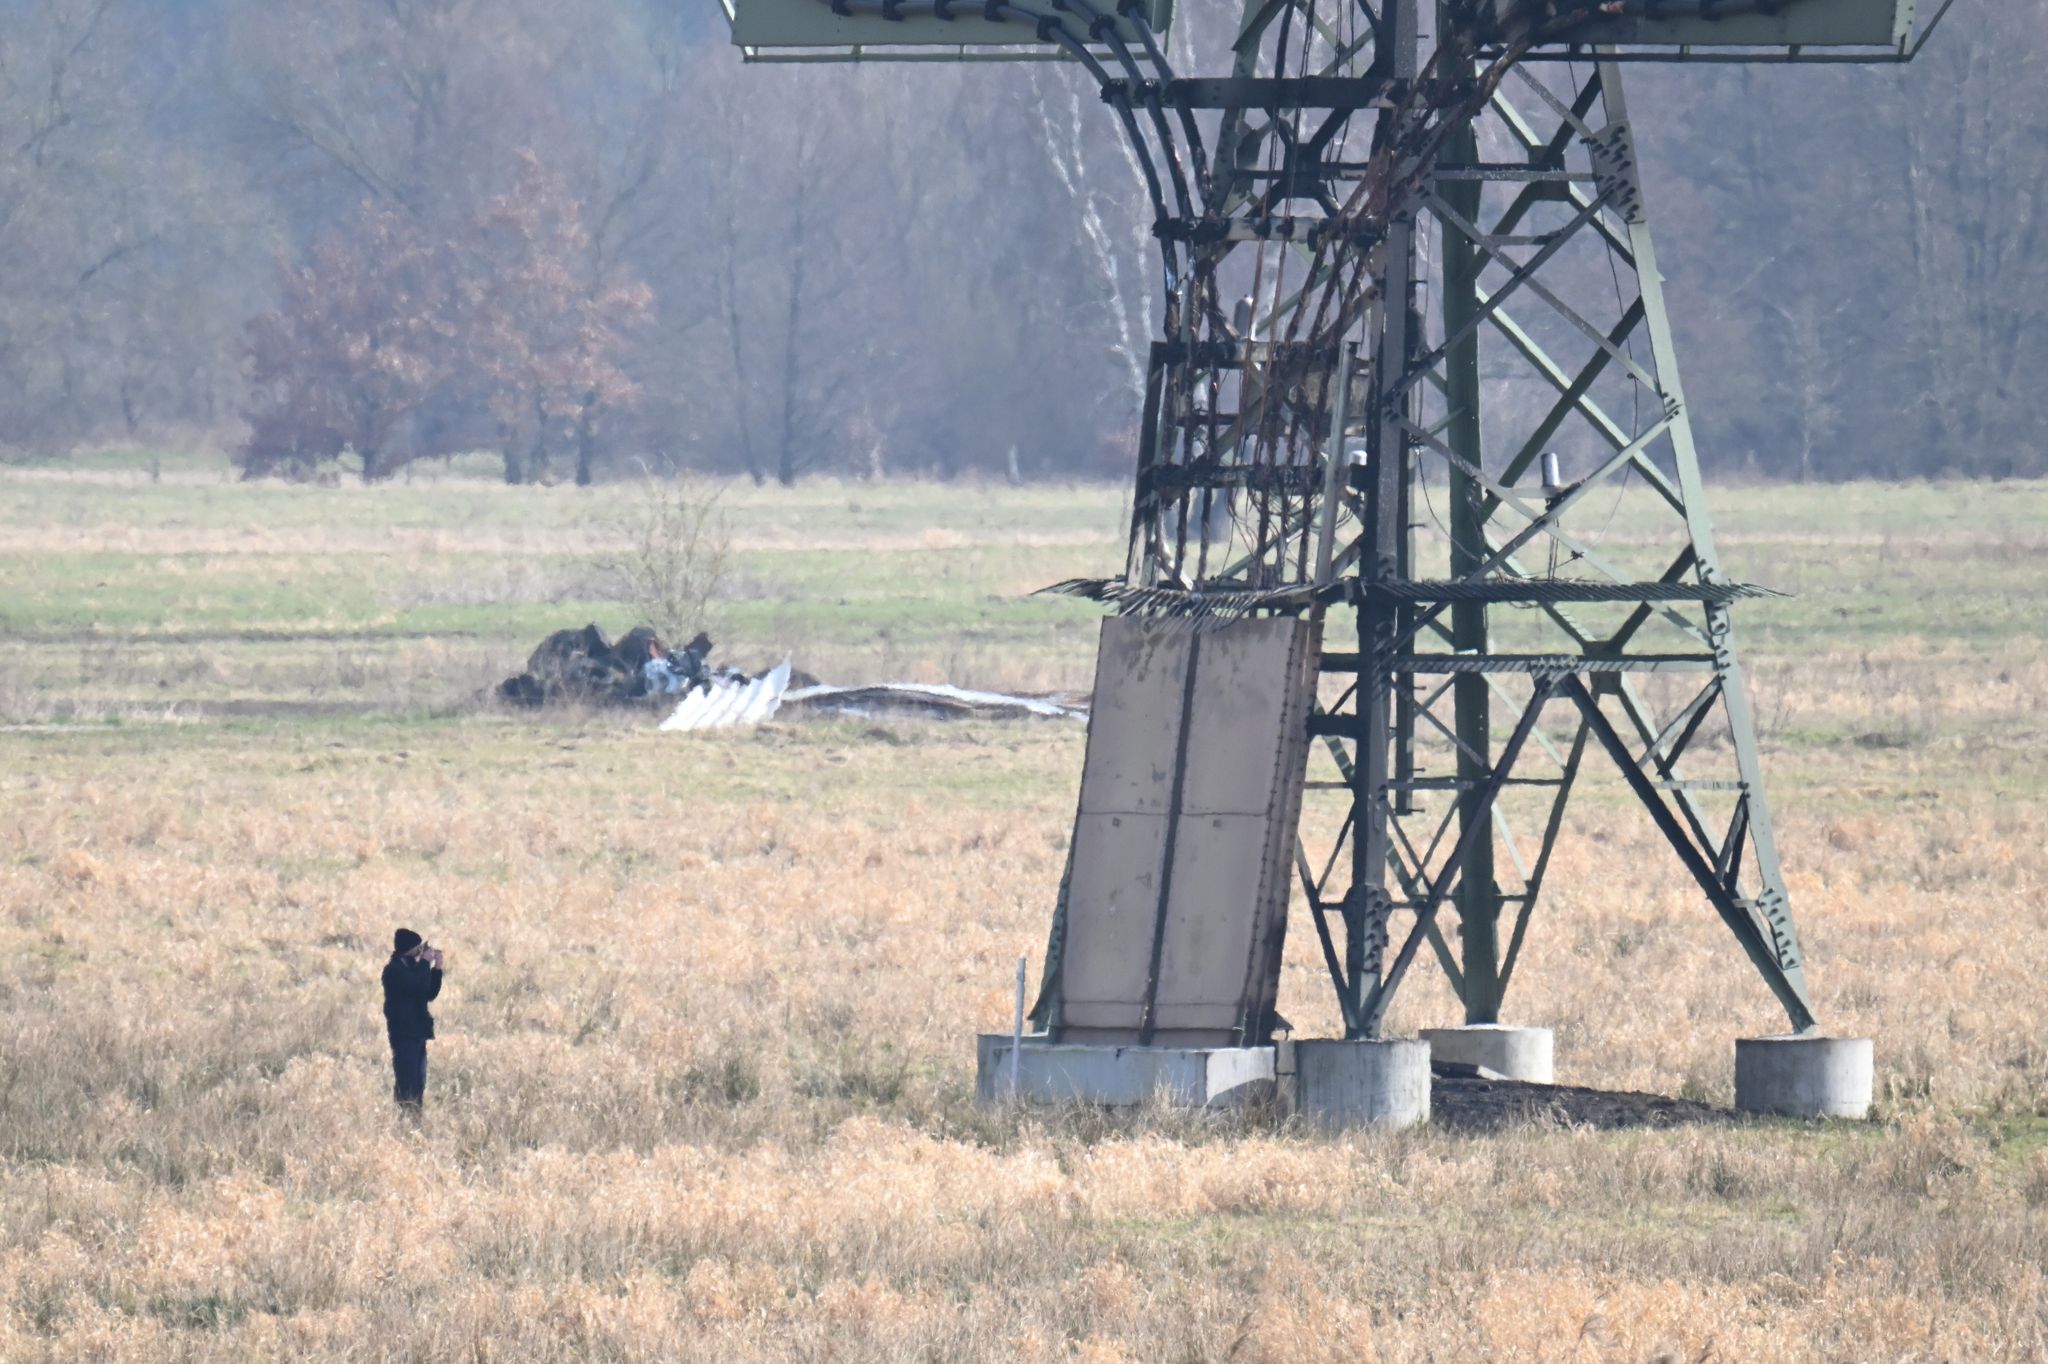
(409, 1070)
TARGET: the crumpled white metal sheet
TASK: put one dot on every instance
(932, 698)
(725, 705)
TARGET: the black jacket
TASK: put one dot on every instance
(408, 985)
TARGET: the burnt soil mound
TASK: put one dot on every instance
(1473, 1104)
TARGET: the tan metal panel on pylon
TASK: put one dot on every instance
(1235, 768)
(1134, 719)
(1200, 938)
(1220, 912)
(1109, 946)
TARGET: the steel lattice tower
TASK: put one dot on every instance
(1415, 362)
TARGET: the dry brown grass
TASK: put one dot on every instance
(703, 1090)
(704, 1085)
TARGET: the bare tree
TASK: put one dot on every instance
(1973, 242)
(788, 290)
(911, 269)
(118, 297)
(1108, 205)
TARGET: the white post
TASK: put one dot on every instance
(1017, 1037)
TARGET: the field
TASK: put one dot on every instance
(703, 1090)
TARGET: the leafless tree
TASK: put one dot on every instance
(919, 269)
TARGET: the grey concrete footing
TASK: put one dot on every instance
(1512, 1053)
(1362, 1084)
(1800, 1075)
(1059, 1072)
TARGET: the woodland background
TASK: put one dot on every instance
(641, 254)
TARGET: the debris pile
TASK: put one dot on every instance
(588, 668)
(585, 666)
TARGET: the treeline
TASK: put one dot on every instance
(361, 233)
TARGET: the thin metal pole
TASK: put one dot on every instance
(1367, 907)
(1015, 1084)
(1477, 896)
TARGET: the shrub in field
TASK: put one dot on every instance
(671, 556)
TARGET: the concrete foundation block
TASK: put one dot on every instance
(1362, 1084)
(1056, 1073)
(1512, 1053)
(1804, 1076)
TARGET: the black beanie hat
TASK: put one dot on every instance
(405, 940)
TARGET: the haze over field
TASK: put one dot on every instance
(916, 269)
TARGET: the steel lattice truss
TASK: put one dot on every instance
(1344, 218)
(1322, 447)
(1534, 197)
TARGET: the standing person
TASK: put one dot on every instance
(411, 978)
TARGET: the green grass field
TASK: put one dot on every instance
(703, 1089)
(126, 597)
(282, 592)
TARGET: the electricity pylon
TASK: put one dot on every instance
(1417, 386)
